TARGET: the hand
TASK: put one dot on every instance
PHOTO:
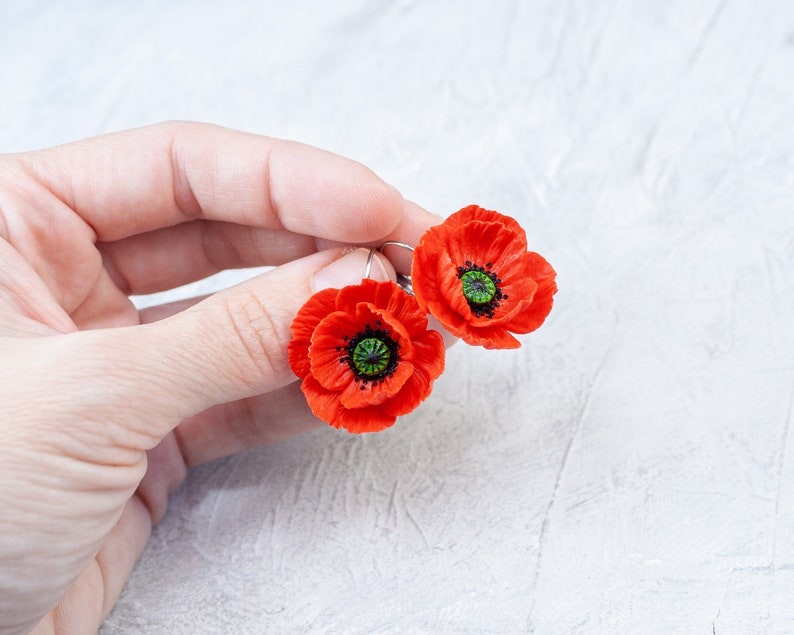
(103, 407)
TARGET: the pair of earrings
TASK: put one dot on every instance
(365, 354)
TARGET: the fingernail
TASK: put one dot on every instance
(350, 269)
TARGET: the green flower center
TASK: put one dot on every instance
(481, 288)
(370, 356)
(478, 288)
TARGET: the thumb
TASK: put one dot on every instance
(230, 346)
(237, 340)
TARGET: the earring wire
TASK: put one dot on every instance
(403, 281)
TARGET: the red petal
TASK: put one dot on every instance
(424, 269)
(386, 296)
(366, 314)
(451, 320)
(536, 312)
(539, 269)
(471, 333)
(428, 366)
(518, 293)
(430, 354)
(414, 392)
(472, 330)
(359, 395)
(324, 358)
(480, 236)
(510, 270)
(309, 316)
(325, 405)
(452, 287)
(494, 337)
(436, 241)
(480, 243)
(372, 419)
(474, 212)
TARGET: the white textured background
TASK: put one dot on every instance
(631, 468)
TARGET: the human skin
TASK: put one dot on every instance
(104, 407)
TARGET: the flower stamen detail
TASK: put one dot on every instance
(372, 355)
(480, 288)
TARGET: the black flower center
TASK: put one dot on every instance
(372, 355)
(481, 288)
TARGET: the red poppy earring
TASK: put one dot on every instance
(473, 273)
(364, 354)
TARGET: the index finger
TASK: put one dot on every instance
(128, 183)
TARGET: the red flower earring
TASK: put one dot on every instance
(473, 273)
(364, 354)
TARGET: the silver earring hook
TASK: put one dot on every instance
(403, 281)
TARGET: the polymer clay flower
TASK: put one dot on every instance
(364, 354)
(473, 273)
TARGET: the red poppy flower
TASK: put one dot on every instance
(474, 274)
(364, 354)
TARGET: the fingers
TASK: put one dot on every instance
(234, 249)
(144, 380)
(141, 180)
(173, 256)
(161, 311)
(121, 550)
(415, 221)
(236, 426)
(166, 469)
(94, 593)
(243, 332)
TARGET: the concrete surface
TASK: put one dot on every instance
(631, 468)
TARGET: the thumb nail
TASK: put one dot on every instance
(350, 269)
